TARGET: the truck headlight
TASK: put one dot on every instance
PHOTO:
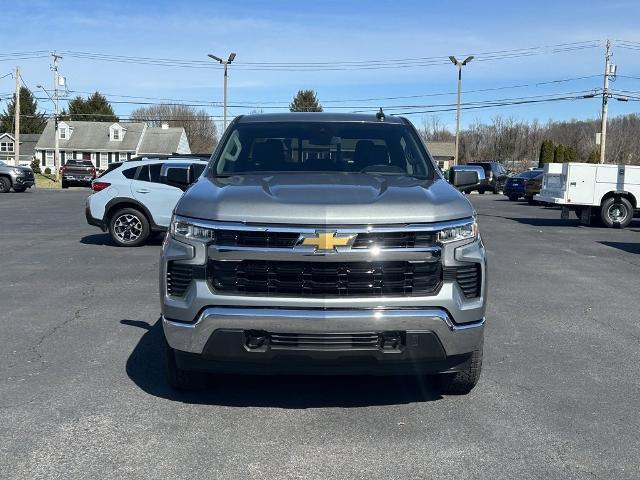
(466, 231)
(182, 228)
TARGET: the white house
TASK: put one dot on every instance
(8, 148)
(107, 142)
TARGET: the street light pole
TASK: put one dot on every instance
(459, 64)
(225, 64)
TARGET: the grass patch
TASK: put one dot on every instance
(46, 181)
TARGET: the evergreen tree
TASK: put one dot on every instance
(96, 108)
(30, 120)
(546, 153)
(594, 157)
(559, 154)
(570, 154)
(305, 101)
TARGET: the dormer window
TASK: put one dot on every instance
(64, 131)
(116, 133)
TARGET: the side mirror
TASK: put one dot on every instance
(179, 176)
(465, 176)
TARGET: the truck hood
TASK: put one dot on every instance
(323, 199)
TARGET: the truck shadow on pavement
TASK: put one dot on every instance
(105, 239)
(145, 367)
(629, 247)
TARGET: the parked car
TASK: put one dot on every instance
(77, 172)
(608, 193)
(495, 177)
(18, 178)
(130, 202)
(322, 243)
(515, 185)
(533, 187)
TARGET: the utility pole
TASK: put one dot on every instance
(16, 148)
(56, 155)
(225, 64)
(609, 69)
(459, 64)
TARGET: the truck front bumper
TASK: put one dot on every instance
(324, 341)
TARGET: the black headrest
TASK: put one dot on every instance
(268, 155)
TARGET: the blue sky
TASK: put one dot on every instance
(290, 31)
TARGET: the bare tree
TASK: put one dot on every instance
(200, 128)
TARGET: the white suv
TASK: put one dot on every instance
(131, 203)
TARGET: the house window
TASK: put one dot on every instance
(63, 133)
(116, 134)
(49, 158)
(123, 157)
(6, 147)
(104, 159)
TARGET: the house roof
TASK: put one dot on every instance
(442, 149)
(92, 136)
(160, 140)
(28, 144)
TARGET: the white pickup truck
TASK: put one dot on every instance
(606, 192)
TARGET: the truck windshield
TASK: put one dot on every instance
(301, 147)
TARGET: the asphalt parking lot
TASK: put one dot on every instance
(82, 392)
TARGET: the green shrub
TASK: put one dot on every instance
(35, 166)
(47, 171)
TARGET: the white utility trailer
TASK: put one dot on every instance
(609, 193)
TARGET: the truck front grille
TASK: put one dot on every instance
(468, 277)
(269, 239)
(273, 278)
(258, 239)
(325, 341)
(395, 240)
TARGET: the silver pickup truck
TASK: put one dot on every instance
(16, 177)
(321, 243)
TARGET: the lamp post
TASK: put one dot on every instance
(459, 64)
(225, 64)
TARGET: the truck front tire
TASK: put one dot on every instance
(461, 383)
(616, 212)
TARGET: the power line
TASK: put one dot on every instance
(339, 65)
(253, 104)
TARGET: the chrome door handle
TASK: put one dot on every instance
(142, 191)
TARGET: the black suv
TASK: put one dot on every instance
(495, 177)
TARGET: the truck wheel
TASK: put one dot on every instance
(616, 212)
(461, 383)
(5, 184)
(129, 227)
(513, 198)
(177, 378)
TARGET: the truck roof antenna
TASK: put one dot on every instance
(380, 115)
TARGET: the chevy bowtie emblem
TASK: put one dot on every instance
(326, 241)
